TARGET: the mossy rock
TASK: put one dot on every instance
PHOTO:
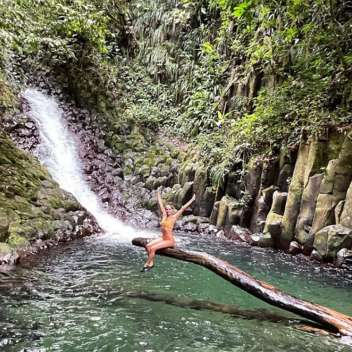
(262, 240)
(17, 241)
(329, 240)
(22, 228)
(187, 173)
(31, 202)
(149, 183)
(4, 224)
(151, 204)
(172, 195)
(164, 170)
(5, 249)
(175, 153)
(144, 171)
(8, 99)
(223, 208)
(185, 194)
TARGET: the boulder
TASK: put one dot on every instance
(203, 228)
(239, 233)
(262, 240)
(294, 248)
(315, 255)
(343, 256)
(194, 219)
(273, 226)
(7, 255)
(207, 229)
(189, 227)
(220, 234)
(329, 240)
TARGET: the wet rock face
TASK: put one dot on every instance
(310, 194)
(125, 180)
(34, 211)
(290, 198)
(318, 196)
(123, 196)
(22, 130)
(103, 168)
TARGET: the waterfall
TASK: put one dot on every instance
(58, 152)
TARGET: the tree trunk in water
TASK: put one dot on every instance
(329, 318)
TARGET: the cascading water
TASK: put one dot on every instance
(58, 152)
(92, 297)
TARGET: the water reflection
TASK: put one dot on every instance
(90, 296)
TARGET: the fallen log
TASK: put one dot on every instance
(326, 317)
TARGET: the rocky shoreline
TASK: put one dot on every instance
(34, 213)
(125, 172)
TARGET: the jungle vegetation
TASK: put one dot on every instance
(230, 77)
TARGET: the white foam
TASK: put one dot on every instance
(58, 152)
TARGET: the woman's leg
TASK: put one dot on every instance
(155, 247)
(150, 244)
(153, 242)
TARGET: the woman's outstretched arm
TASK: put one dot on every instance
(184, 207)
(161, 205)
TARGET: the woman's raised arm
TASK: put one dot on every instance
(161, 205)
(185, 206)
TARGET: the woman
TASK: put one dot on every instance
(169, 217)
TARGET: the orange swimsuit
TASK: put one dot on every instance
(167, 224)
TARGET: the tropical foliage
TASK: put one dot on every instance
(225, 75)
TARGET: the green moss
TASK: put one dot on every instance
(22, 228)
(17, 241)
(117, 143)
(5, 248)
(56, 202)
(28, 197)
(8, 99)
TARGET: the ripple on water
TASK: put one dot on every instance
(90, 296)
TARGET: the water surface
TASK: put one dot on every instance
(90, 296)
